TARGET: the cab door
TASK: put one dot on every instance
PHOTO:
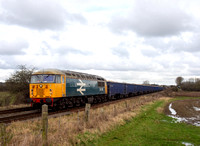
(63, 84)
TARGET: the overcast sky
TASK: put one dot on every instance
(124, 40)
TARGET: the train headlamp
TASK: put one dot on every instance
(50, 91)
(41, 86)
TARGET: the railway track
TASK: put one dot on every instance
(20, 114)
(2, 112)
(26, 115)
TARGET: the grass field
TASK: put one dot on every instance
(150, 127)
(6, 99)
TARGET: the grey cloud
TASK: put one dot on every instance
(13, 48)
(45, 48)
(153, 19)
(63, 50)
(120, 51)
(175, 45)
(192, 46)
(44, 14)
(8, 62)
(157, 42)
(4, 65)
(67, 50)
(150, 52)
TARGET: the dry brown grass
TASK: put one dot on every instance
(161, 109)
(14, 106)
(65, 130)
(187, 94)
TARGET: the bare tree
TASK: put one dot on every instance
(179, 80)
(146, 82)
(197, 80)
(18, 83)
(192, 80)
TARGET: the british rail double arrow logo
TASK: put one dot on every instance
(81, 84)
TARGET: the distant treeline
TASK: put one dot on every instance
(190, 86)
(193, 84)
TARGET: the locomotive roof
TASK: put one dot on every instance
(74, 74)
(48, 71)
(70, 74)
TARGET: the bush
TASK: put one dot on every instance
(2, 87)
(18, 83)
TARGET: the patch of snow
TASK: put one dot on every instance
(187, 144)
(197, 124)
(178, 119)
(171, 109)
(196, 108)
(187, 120)
(191, 120)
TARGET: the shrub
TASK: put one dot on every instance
(18, 83)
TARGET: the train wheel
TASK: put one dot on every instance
(69, 103)
(95, 100)
(78, 102)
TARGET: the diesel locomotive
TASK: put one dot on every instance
(61, 89)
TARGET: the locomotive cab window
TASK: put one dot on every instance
(45, 79)
(58, 79)
(48, 78)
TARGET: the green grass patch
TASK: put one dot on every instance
(150, 128)
(185, 97)
(7, 99)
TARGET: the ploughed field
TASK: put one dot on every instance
(187, 111)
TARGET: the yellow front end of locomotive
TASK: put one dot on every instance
(47, 84)
(43, 90)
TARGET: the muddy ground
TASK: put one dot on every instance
(187, 111)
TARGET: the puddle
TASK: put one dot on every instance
(187, 144)
(196, 108)
(193, 119)
(173, 112)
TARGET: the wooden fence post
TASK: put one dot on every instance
(44, 124)
(102, 111)
(114, 111)
(126, 104)
(78, 116)
(87, 112)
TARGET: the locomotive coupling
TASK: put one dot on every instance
(48, 100)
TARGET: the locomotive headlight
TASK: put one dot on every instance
(32, 92)
(40, 85)
(50, 91)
